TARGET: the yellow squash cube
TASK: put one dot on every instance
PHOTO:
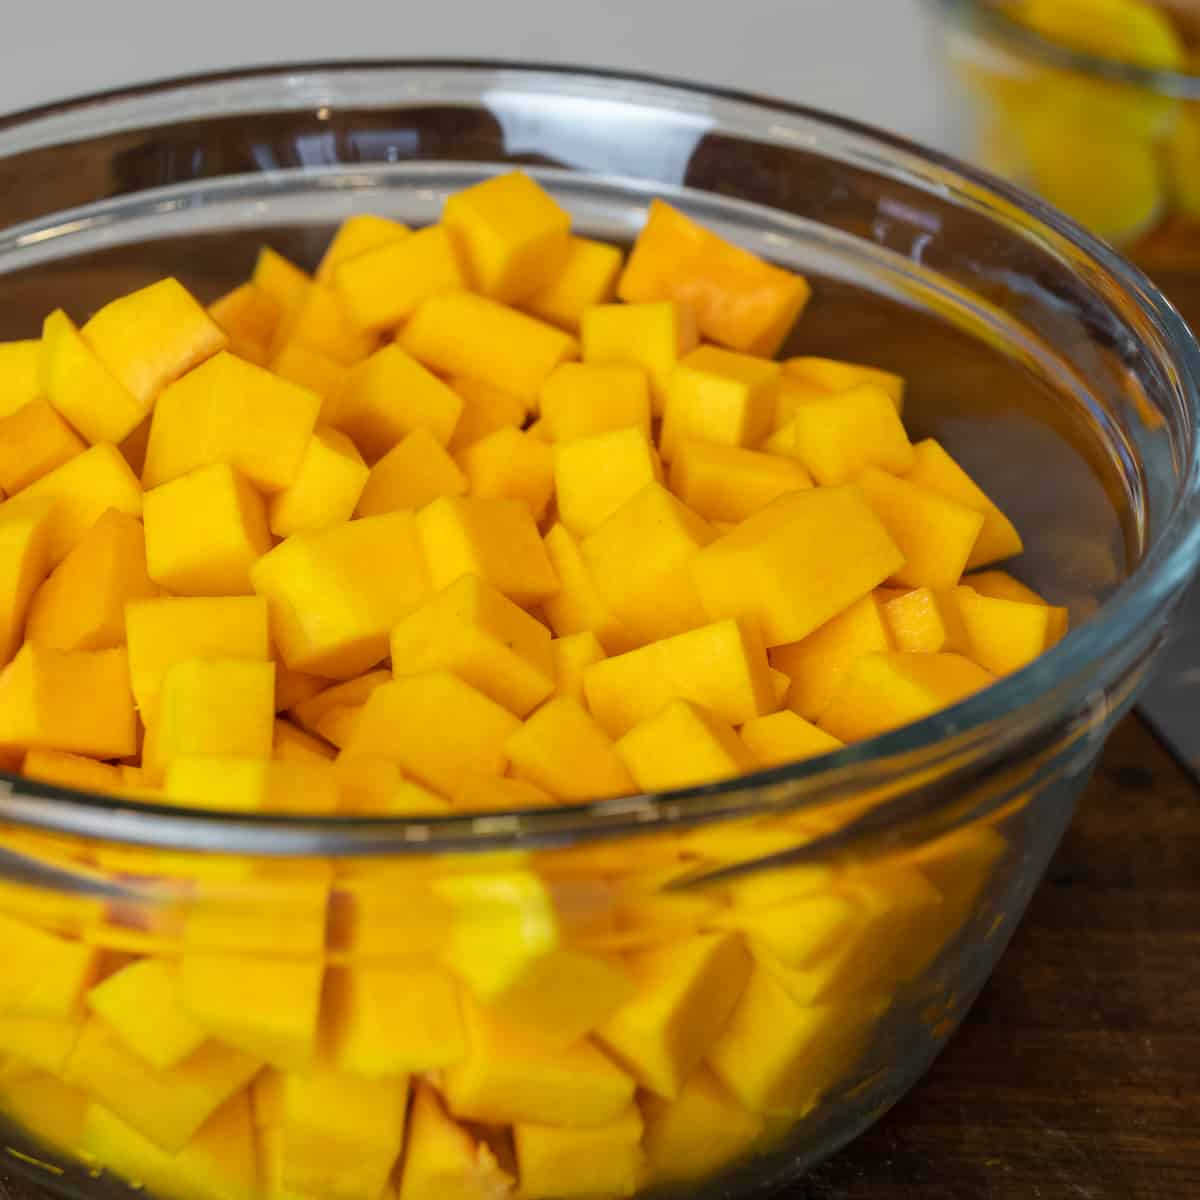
(326, 489)
(458, 333)
(783, 737)
(926, 621)
(81, 490)
(313, 371)
(595, 475)
(837, 436)
(141, 1005)
(728, 483)
(817, 664)
(685, 994)
(399, 1018)
(834, 375)
(71, 770)
(641, 560)
(388, 396)
(511, 464)
(934, 534)
(740, 301)
(335, 595)
(719, 396)
(250, 784)
(354, 692)
(513, 237)
(81, 606)
(216, 707)
(562, 1164)
(292, 744)
(294, 687)
(881, 692)
(356, 236)
(380, 289)
(33, 441)
(563, 749)
(582, 399)
(165, 631)
(436, 727)
(480, 792)
(494, 539)
(511, 1074)
(133, 448)
(578, 606)
(411, 475)
(20, 374)
(24, 564)
(934, 470)
(797, 563)
(485, 409)
(249, 317)
(653, 337)
(151, 337)
(572, 655)
(1005, 635)
(280, 278)
(204, 531)
(1000, 585)
(233, 412)
(485, 639)
(73, 700)
(319, 321)
(588, 276)
(683, 746)
(46, 976)
(45, 1106)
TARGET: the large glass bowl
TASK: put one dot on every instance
(711, 989)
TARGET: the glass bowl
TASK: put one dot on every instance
(1114, 145)
(709, 990)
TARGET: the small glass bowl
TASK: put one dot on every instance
(711, 989)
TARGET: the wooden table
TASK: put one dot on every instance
(1077, 1074)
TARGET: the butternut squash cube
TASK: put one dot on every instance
(169, 1106)
(394, 1019)
(46, 976)
(281, 279)
(315, 372)
(326, 489)
(934, 470)
(458, 333)
(1005, 635)
(141, 1005)
(512, 1075)
(215, 708)
(512, 235)
(20, 374)
(436, 727)
(719, 396)
(356, 236)
(485, 409)
(1002, 586)
(728, 483)
(249, 318)
(511, 464)
(80, 490)
(53, 1112)
(834, 375)
(582, 399)
(411, 475)
(292, 744)
(73, 700)
(578, 606)
(351, 693)
(588, 276)
(934, 534)
(783, 737)
(595, 475)
(442, 1159)
(881, 692)
(926, 621)
(165, 631)
(335, 595)
(495, 539)
(229, 411)
(380, 289)
(641, 559)
(651, 336)
(294, 687)
(277, 911)
(151, 337)
(319, 321)
(228, 782)
(683, 746)
(573, 654)
(560, 1164)
(836, 437)
(480, 792)
(204, 531)
(24, 563)
(817, 664)
(81, 606)
(485, 639)
(33, 441)
(797, 563)
(563, 749)
(72, 771)
(388, 396)
(685, 994)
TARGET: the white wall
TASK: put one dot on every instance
(866, 58)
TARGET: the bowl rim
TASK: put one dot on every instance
(1011, 712)
(989, 18)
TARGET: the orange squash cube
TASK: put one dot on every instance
(24, 564)
(356, 236)
(281, 279)
(511, 464)
(728, 483)
(20, 374)
(588, 276)
(33, 441)
(838, 436)
(573, 654)
(925, 621)
(563, 749)
(683, 746)
(326, 490)
(249, 318)
(410, 476)
(72, 771)
(594, 476)
(653, 337)
(485, 409)
(578, 606)
(1005, 635)
(300, 364)
(583, 399)
(319, 321)
(216, 708)
(783, 737)
(834, 375)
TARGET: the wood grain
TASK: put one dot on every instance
(1077, 1074)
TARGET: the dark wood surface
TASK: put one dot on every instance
(1077, 1074)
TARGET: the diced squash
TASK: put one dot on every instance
(319, 321)
(572, 655)
(20, 374)
(652, 336)
(280, 278)
(485, 409)
(587, 276)
(326, 490)
(411, 475)
(583, 399)
(596, 474)
(578, 606)
(683, 746)
(728, 483)
(313, 371)
(24, 563)
(562, 748)
(215, 708)
(834, 375)
(561, 1164)
(926, 621)
(72, 770)
(33, 441)
(356, 236)
(1005, 635)
(784, 737)
(511, 464)
(231, 783)
(45, 976)
(837, 436)
(249, 317)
